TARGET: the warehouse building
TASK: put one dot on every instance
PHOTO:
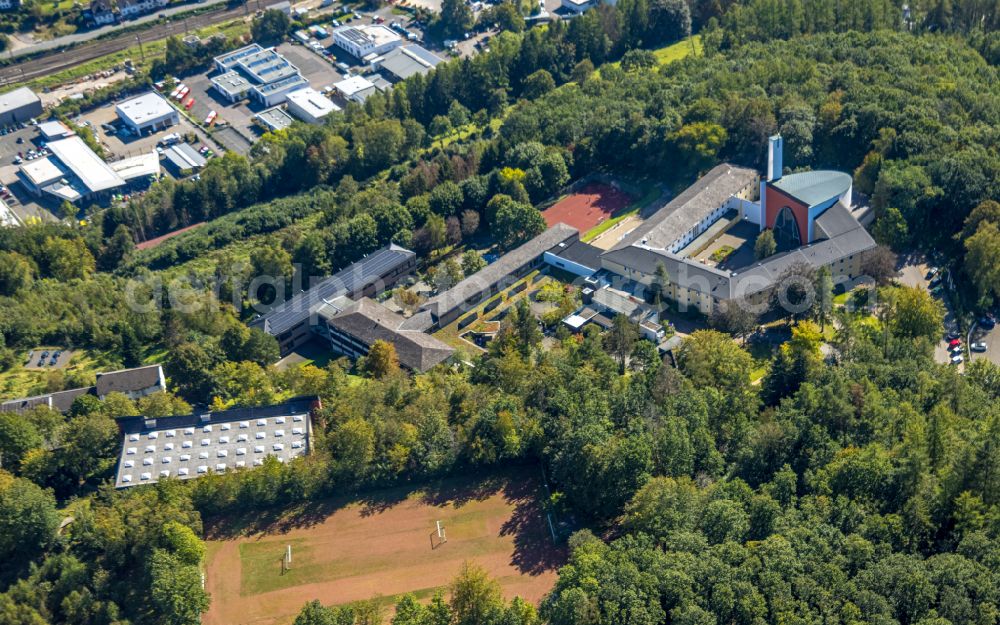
(355, 89)
(184, 158)
(19, 105)
(405, 61)
(54, 130)
(366, 42)
(274, 119)
(232, 86)
(274, 93)
(262, 73)
(148, 112)
(73, 172)
(195, 445)
(310, 105)
(294, 322)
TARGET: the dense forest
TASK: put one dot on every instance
(857, 484)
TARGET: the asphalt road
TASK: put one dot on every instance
(56, 62)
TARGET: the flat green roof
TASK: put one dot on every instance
(814, 187)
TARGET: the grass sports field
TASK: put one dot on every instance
(382, 544)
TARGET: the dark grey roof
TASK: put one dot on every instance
(129, 380)
(405, 61)
(296, 405)
(26, 403)
(60, 400)
(353, 279)
(692, 205)
(63, 400)
(825, 252)
(690, 274)
(814, 187)
(834, 221)
(368, 321)
(509, 263)
(581, 253)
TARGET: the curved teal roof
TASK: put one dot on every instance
(814, 187)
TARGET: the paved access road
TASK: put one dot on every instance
(56, 62)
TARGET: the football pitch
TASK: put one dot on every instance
(383, 544)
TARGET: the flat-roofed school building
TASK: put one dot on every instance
(190, 446)
(294, 321)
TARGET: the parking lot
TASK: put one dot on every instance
(913, 272)
(24, 206)
(47, 358)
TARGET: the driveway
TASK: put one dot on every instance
(992, 340)
(913, 272)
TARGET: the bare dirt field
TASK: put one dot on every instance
(383, 544)
(607, 239)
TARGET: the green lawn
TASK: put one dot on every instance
(20, 382)
(675, 51)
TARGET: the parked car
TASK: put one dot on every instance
(955, 342)
(955, 349)
(987, 323)
(978, 347)
(933, 271)
(951, 336)
(955, 360)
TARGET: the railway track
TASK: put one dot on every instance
(59, 60)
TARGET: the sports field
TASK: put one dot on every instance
(384, 544)
(587, 207)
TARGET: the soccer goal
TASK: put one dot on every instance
(438, 537)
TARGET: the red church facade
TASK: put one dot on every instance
(775, 200)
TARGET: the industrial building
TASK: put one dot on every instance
(134, 169)
(133, 383)
(232, 86)
(262, 73)
(368, 41)
(356, 89)
(274, 93)
(54, 130)
(274, 119)
(310, 105)
(294, 322)
(18, 106)
(73, 172)
(184, 158)
(404, 61)
(147, 112)
(190, 446)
